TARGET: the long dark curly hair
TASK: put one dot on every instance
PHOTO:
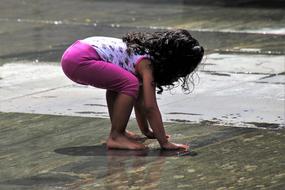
(174, 55)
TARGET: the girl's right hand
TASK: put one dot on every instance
(175, 146)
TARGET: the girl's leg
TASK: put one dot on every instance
(122, 90)
(111, 97)
(122, 109)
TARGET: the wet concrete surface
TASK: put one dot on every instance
(63, 152)
(53, 132)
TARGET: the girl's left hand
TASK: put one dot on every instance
(150, 135)
(175, 146)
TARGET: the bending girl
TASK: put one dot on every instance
(131, 69)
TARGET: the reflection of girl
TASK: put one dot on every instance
(151, 59)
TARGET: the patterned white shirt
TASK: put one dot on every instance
(114, 50)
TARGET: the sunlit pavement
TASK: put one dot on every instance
(247, 93)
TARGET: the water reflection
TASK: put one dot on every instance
(101, 150)
(123, 168)
(136, 174)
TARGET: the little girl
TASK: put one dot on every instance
(130, 69)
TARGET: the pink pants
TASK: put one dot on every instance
(81, 63)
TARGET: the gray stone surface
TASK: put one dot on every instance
(63, 152)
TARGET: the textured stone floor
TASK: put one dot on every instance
(62, 152)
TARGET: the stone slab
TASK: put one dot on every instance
(63, 152)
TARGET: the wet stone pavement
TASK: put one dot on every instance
(53, 132)
(63, 152)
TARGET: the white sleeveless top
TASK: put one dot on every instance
(114, 50)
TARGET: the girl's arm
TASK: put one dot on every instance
(152, 112)
(141, 116)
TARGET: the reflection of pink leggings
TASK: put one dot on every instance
(81, 63)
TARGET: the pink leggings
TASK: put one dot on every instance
(81, 63)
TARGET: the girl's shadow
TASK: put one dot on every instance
(102, 150)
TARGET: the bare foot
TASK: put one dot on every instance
(123, 142)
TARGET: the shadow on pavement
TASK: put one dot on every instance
(102, 150)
